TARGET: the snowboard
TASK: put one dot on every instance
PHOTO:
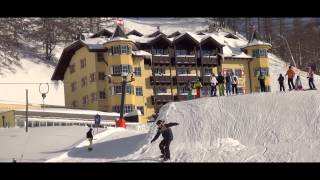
(309, 89)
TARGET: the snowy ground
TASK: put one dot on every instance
(40, 143)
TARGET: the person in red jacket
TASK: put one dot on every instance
(290, 73)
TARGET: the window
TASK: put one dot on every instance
(100, 56)
(137, 71)
(259, 53)
(120, 49)
(73, 86)
(124, 68)
(126, 109)
(159, 70)
(183, 71)
(72, 68)
(85, 100)
(141, 109)
(139, 91)
(101, 76)
(160, 51)
(74, 103)
(207, 71)
(161, 90)
(92, 77)
(239, 72)
(102, 95)
(118, 89)
(184, 52)
(183, 90)
(93, 97)
(84, 81)
(265, 71)
(208, 52)
(83, 63)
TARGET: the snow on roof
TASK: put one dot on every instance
(94, 43)
(258, 42)
(142, 39)
(119, 39)
(142, 53)
(75, 111)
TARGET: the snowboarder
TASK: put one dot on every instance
(167, 135)
(213, 84)
(220, 80)
(298, 84)
(228, 84)
(291, 75)
(189, 89)
(261, 79)
(281, 80)
(90, 138)
(234, 81)
(310, 77)
(197, 85)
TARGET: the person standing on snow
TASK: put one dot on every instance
(213, 84)
(310, 77)
(90, 138)
(234, 81)
(189, 89)
(298, 84)
(197, 85)
(291, 75)
(220, 80)
(167, 135)
(261, 79)
(281, 82)
(228, 84)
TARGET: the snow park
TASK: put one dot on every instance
(159, 90)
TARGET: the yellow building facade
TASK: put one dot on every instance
(92, 70)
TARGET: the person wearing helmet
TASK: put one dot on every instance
(167, 135)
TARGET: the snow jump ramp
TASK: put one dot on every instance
(259, 127)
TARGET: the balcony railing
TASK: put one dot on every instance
(186, 59)
(209, 60)
(184, 79)
(160, 79)
(161, 59)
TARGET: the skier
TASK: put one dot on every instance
(310, 77)
(167, 135)
(189, 89)
(197, 85)
(281, 80)
(291, 75)
(298, 84)
(90, 138)
(213, 81)
(220, 80)
(234, 81)
(261, 79)
(228, 84)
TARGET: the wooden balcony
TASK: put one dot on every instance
(184, 79)
(180, 60)
(161, 59)
(160, 79)
(162, 98)
(209, 60)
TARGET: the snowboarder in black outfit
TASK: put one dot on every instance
(167, 135)
(281, 82)
(90, 138)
